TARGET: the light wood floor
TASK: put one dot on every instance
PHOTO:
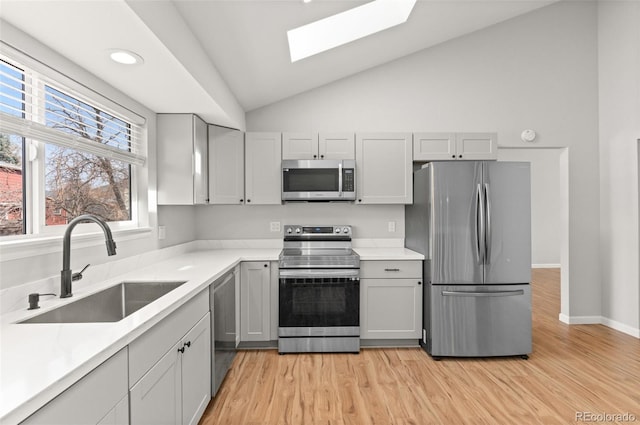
(579, 368)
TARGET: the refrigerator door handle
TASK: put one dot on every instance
(487, 236)
(480, 236)
(483, 294)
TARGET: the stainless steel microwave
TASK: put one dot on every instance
(319, 180)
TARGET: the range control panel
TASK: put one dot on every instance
(318, 231)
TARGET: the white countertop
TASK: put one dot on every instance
(39, 361)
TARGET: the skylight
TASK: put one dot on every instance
(347, 26)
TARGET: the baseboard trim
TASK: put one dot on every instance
(545, 266)
(599, 320)
(614, 324)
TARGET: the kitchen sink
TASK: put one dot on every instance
(109, 305)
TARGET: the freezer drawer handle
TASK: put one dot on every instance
(391, 270)
(482, 294)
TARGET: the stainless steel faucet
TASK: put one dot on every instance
(66, 275)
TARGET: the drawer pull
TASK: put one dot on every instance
(391, 270)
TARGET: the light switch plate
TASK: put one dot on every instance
(274, 226)
(392, 226)
(162, 232)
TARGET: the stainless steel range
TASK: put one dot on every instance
(319, 291)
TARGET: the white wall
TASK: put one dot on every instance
(619, 84)
(252, 222)
(536, 71)
(545, 205)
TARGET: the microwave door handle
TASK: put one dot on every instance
(340, 179)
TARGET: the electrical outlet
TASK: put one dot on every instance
(274, 226)
(162, 232)
(392, 226)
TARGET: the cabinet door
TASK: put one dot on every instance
(119, 415)
(157, 398)
(91, 399)
(336, 146)
(262, 168)
(196, 371)
(384, 168)
(200, 162)
(390, 308)
(255, 305)
(477, 146)
(300, 146)
(226, 165)
(434, 146)
(175, 159)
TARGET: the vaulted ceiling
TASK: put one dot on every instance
(221, 58)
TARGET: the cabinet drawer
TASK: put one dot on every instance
(400, 269)
(145, 351)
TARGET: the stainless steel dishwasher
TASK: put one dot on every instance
(223, 327)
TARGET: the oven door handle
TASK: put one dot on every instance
(320, 273)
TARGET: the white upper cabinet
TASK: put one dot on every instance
(454, 146)
(263, 152)
(477, 146)
(300, 146)
(384, 168)
(336, 146)
(434, 146)
(318, 146)
(182, 160)
(226, 165)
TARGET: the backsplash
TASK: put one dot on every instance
(15, 297)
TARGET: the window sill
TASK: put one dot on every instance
(42, 245)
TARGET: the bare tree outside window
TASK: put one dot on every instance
(78, 182)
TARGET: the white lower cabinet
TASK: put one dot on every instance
(119, 415)
(178, 388)
(155, 399)
(255, 301)
(390, 299)
(170, 367)
(100, 397)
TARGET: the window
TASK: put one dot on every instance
(82, 156)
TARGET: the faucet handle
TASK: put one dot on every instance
(78, 275)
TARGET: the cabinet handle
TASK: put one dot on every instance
(266, 265)
(181, 349)
(187, 344)
(241, 200)
(321, 156)
(453, 156)
(391, 270)
(459, 156)
(419, 283)
(248, 200)
(315, 156)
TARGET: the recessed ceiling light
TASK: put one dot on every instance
(347, 26)
(125, 57)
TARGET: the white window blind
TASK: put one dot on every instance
(35, 107)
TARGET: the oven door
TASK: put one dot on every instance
(319, 302)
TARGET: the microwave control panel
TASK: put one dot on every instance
(348, 181)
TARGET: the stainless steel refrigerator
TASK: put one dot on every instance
(472, 222)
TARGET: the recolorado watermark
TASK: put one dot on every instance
(605, 417)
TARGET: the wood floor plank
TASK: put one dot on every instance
(579, 368)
